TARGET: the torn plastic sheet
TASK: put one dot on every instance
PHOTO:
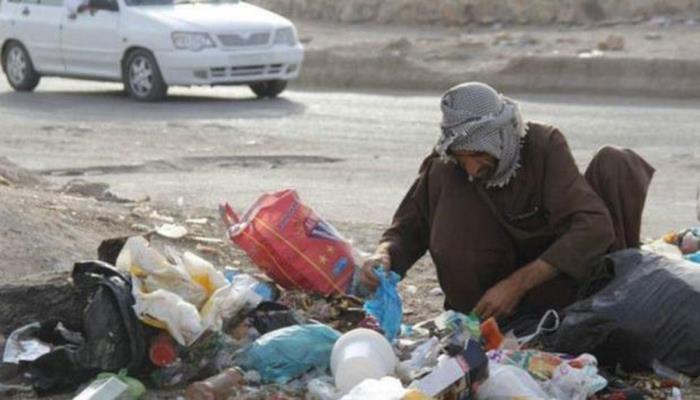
(20, 348)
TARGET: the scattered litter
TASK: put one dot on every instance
(162, 218)
(218, 387)
(206, 240)
(136, 389)
(321, 389)
(385, 304)
(493, 338)
(209, 249)
(187, 297)
(665, 372)
(292, 244)
(578, 382)
(509, 382)
(633, 296)
(612, 43)
(666, 249)
(591, 54)
(456, 376)
(22, 345)
(422, 360)
(286, 354)
(359, 355)
(386, 388)
(141, 228)
(436, 291)
(172, 231)
(197, 221)
(162, 351)
(105, 389)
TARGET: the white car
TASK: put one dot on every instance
(149, 44)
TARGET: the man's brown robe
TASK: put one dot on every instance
(478, 236)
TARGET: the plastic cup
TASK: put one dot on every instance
(361, 354)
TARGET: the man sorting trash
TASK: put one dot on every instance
(510, 223)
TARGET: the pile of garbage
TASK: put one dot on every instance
(684, 244)
(302, 328)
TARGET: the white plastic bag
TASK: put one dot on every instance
(321, 389)
(422, 358)
(387, 388)
(508, 382)
(156, 272)
(168, 311)
(22, 345)
(203, 273)
(569, 383)
(229, 301)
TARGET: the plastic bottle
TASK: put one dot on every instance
(218, 387)
(162, 351)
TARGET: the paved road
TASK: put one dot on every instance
(351, 155)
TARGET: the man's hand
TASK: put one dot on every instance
(500, 300)
(367, 275)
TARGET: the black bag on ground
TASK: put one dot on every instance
(649, 311)
(111, 337)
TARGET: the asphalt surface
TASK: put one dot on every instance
(350, 155)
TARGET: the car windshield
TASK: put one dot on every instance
(174, 2)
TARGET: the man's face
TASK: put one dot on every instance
(477, 164)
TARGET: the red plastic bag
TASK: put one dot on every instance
(293, 245)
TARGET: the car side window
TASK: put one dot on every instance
(110, 5)
(25, 1)
(55, 3)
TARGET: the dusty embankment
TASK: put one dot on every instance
(655, 57)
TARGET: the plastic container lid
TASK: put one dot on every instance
(361, 354)
(162, 352)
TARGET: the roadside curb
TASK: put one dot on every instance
(678, 78)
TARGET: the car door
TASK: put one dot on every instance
(37, 27)
(90, 41)
(8, 15)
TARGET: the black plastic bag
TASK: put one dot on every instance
(648, 311)
(270, 316)
(111, 337)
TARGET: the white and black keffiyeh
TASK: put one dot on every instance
(477, 118)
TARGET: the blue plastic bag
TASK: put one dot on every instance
(385, 304)
(288, 353)
(694, 257)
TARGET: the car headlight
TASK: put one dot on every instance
(286, 36)
(194, 41)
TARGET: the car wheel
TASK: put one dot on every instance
(142, 78)
(268, 88)
(19, 69)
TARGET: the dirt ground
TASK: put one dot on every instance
(411, 52)
(657, 38)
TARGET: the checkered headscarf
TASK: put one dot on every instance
(477, 118)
